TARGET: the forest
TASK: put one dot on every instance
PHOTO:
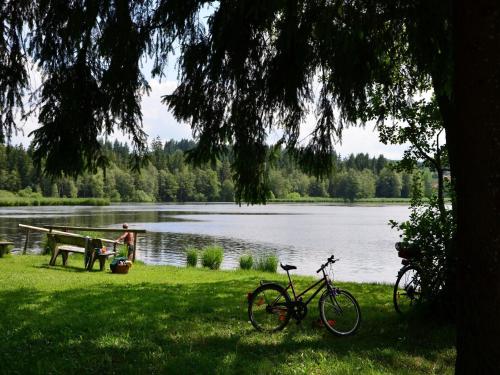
(170, 177)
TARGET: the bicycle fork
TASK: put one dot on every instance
(332, 292)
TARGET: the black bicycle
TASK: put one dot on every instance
(270, 307)
(412, 285)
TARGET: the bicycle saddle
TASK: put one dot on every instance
(287, 267)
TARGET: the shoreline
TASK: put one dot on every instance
(49, 201)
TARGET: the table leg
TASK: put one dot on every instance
(102, 263)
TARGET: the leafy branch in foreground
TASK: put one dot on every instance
(430, 234)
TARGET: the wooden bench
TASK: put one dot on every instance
(64, 244)
(3, 247)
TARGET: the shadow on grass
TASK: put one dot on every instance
(68, 268)
(197, 328)
(75, 264)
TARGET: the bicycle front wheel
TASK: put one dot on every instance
(340, 312)
(268, 308)
(407, 290)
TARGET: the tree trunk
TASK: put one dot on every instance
(477, 173)
(446, 108)
(440, 196)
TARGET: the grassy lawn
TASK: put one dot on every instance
(160, 319)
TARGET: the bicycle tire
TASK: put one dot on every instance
(268, 308)
(341, 304)
(407, 289)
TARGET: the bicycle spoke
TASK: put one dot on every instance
(407, 291)
(340, 313)
(268, 310)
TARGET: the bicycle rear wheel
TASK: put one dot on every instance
(268, 308)
(340, 312)
(407, 290)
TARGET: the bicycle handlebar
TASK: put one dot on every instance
(328, 261)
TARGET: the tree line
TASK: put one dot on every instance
(170, 177)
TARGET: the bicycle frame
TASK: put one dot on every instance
(323, 281)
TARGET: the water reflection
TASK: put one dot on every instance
(303, 235)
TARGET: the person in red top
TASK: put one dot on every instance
(128, 239)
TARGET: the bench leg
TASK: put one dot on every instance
(54, 257)
(64, 255)
(91, 261)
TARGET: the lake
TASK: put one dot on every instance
(300, 234)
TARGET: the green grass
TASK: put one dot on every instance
(169, 320)
(191, 256)
(267, 264)
(122, 250)
(212, 256)
(46, 201)
(246, 262)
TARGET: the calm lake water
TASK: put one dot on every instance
(302, 235)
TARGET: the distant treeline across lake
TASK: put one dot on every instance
(170, 178)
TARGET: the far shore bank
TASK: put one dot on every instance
(49, 201)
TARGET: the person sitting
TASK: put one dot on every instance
(128, 240)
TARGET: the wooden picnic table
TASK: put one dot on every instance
(3, 247)
(65, 228)
(89, 247)
(64, 243)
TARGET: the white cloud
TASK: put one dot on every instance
(365, 140)
(158, 121)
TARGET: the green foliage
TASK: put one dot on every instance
(317, 188)
(428, 190)
(388, 184)
(267, 263)
(354, 180)
(246, 262)
(4, 194)
(167, 187)
(192, 256)
(406, 187)
(122, 250)
(212, 256)
(227, 191)
(294, 196)
(90, 186)
(278, 184)
(142, 196)
(28, 193)
(207, 185)
(348, 186)
(430, 231)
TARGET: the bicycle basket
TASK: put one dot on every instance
(406, 251)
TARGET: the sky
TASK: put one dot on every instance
(159, 122)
